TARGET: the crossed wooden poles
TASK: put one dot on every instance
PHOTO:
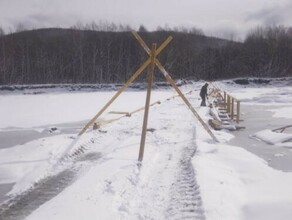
(152, 61)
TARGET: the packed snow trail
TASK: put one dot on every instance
(170, 186)
(167, 179)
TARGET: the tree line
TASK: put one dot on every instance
(92, 55)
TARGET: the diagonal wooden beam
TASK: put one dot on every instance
(171, 81)
(134, 76)
(142, 42)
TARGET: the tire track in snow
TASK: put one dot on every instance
(170, 186)
(176, 177)
(22, 205)
(186, 202)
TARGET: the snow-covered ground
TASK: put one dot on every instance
(184, 174)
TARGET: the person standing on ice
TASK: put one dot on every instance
(203, 94)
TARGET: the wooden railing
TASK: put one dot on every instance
(232, 106)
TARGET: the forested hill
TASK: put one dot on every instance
(83, 56)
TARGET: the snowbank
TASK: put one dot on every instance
(236, 184)
(272, 137)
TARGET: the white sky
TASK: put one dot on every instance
(214, 17)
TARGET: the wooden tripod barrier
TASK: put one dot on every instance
(134, 76)
(145, 121)
(152, 61)
(171, 81)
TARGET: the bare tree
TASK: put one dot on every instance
(1, 31)
(142, 28)
(20, 27)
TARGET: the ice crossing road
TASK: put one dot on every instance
(186, 202)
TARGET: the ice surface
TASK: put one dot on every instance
(225, 182)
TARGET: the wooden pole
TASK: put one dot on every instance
(232, 108)
(282, 128)
(134, 76)
(238, 112)
(228, 104)
(145, 121)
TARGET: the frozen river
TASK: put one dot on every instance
(112, 161)
(17, 136)
(257, 118)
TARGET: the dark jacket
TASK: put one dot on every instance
(203, 92)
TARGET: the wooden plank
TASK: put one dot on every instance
(228, 104)
(215, 124)
(142, 108)
(281, 129)
(217, 89)
(145, 121)
(238, 112)
(232, 108)
(105, 122)
(119, 113)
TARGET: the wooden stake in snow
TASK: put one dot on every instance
(145, 121)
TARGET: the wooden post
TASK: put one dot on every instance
(232, 108)
(150, 80)
(225, 101)
(238, 112)
(228, 104)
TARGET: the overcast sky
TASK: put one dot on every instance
(222, 18)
